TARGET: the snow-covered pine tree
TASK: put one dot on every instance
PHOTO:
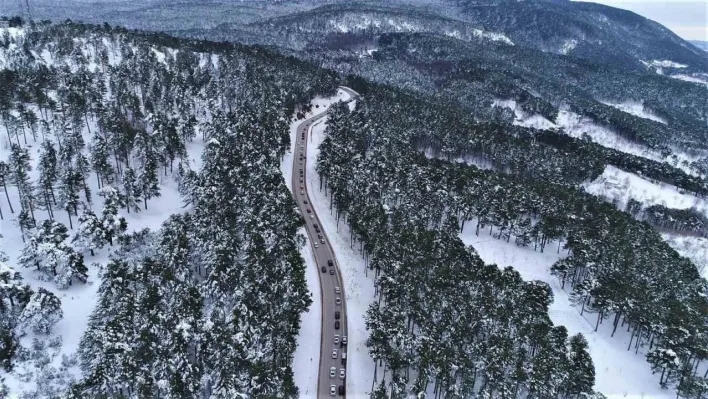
(100, 153)
(69, 186)
(148, 177)
(48, 176)
(131, 190)
(20, 167)
(41, 312)
(46, 252)
(113, 224)
(582, 371)
(4, 174)
(89, 233)
(82, 168)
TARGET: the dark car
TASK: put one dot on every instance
(315, 225)
(341, 390)
(324, 269)
(337, 315)
(331, 271)
(330, 262)
(336, 324)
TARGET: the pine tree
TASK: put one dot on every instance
(26, 223)
(100, 153)
(41, 312)
(113, 224)
(46, 252)
(582, 371)
(69, 192)
(4, 174)
(20, 167)
(89, 234)
(148, 181)
(131, 190)
(48, 175)
(81, 166)
(148, 178)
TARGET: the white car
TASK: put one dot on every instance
(335, 353)
(342, 373)
(316, 246)
(344, 339)
(338, 301)
(312, 217)
(336, 290)
(336, 338)
(322, 241)
(332, 390)
(332, 372)
(302, 192)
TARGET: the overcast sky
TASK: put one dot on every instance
(688, 19)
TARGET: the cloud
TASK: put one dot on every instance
(688, 19)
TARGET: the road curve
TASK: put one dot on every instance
(331, 280)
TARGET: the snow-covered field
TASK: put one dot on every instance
(358, 287)
(618, 186)
(618, 373)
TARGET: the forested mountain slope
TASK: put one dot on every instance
(102, 132)
(581, 29)
(618, 268)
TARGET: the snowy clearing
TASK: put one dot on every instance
(692, 79)
(636, 109)
(664, 64)
(618, 186)
(618, 373)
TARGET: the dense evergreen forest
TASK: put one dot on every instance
(406, 211)
(209, 304)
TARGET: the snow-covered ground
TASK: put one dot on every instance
(692, 79)
(636, 109)
(618, 373)
(307, 354)
(358, 287)
(664, 64)
(619, 186)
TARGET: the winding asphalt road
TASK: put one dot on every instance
(331, 287)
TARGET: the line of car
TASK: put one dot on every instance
(341, 341)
